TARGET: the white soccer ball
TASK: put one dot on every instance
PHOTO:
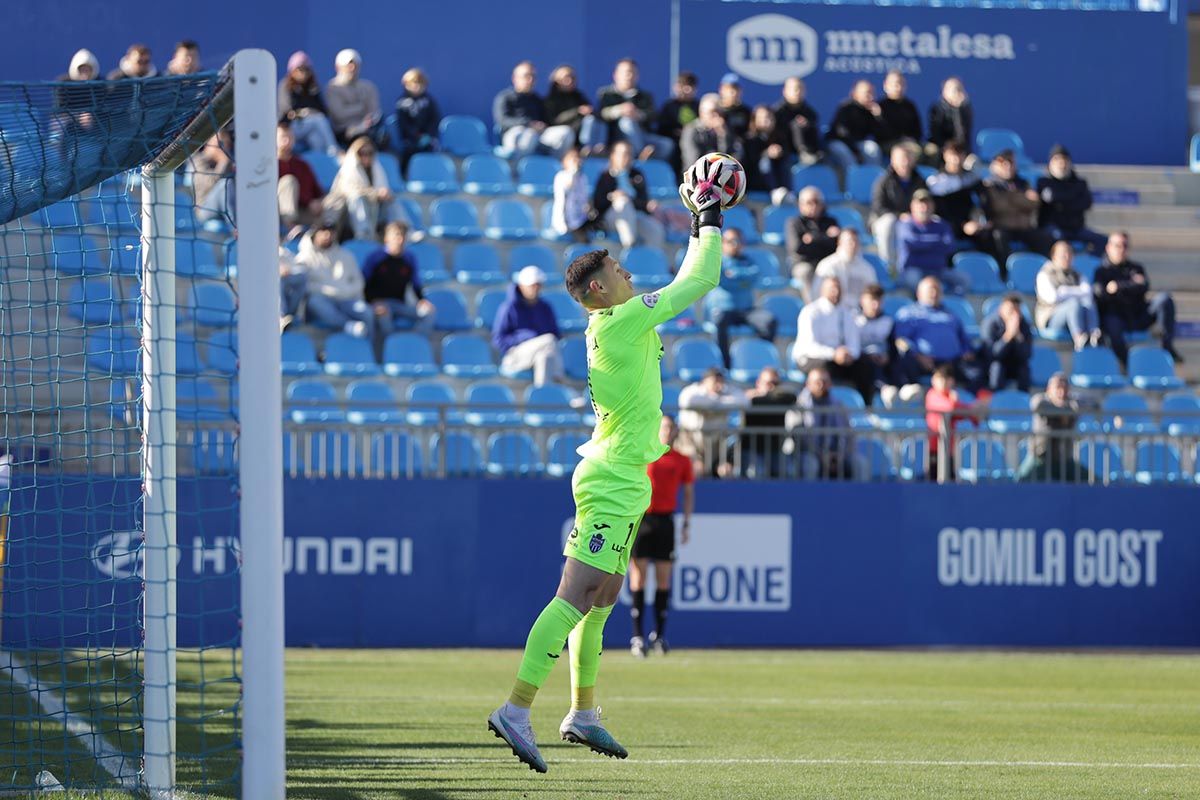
(732, 178)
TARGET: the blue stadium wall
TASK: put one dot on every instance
(471, 562)
(1109, 84)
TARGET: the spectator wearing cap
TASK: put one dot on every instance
(856, 129)
(417, 117)
(630, 112)
(1008, 343)
(301, 104)
(680, 111)
(360, 189)
(520, 114)
(185, 60)
(1065, 200)
(567, 105)
(393, 285)
(955, 191)
(899, 115)
(824, 447)
(709, 133)
(924, 244)
(1011, 207)
(335, 284)
(1055, 416)
(526, 331)
(300, 195)
(135, 63)
(854, 273)
(704, 408)
(799, 120)
(732, 302)
(353, 101)
(1123, 299)
(951, 118)
(928, 334)
(827, 337)
(765, 426)
(891, 196)
(736, 113)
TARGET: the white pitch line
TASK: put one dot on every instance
(107, 756)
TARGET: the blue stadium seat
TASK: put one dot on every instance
(914, 458)
(491, 405)
(537, 255)
(324, 167)
(360, 249)
(116, 210)
(1153, 369)
(451, 310)
(478, 263)
(774, 228)
(982, 271)
(882, 276)
(990, 304)
(748, 356)
(391, 168)
(195, 257)
(546, 229)
(486, 306)
(457, 454)
(535, 175)
(770, 274)
(562, 458)
(1181, 414)
(691, 357)
(959, 307)
(298, 355)
(313, 400)
(212, 304)
(593, 168)
(1102, 459)
(570, 316)
(114, 351)
(416, 217)
(430, 402)
(371, 403)
(453, 219)
(1159, 462)
(990, 141)
(513, 454)
(408, 355)
(742, 219)
(682, 324)
(220, 352)
(1009, 412)
(1132, 411)
(981, 459)
(1194, 153)
(1086, 264)
(1023, 269)
(467, 356)
(549, 405)
(892, 303)
(509, 220)
(99, 301)
(432, 173)
(63, 214)
(1043, 363)
(851, 217)
(574, 251)
(818, 175)
(72, 254)
(187, 354)
(487, 174)
(909, 417)
(860, 182)
(197, 399)
(647, 265)
(574, 356)
(347, 355)
(661, 180)
(786, 308)
(670, 402)
(849, 397)
(431, 264)
(1096, 368)
(878, 458)
(463, 135)
(123, 255)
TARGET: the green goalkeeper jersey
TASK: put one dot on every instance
(624, 352)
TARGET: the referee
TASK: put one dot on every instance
(655, 540)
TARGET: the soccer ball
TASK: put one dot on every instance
(732, 179)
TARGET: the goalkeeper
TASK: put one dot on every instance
(610, 486)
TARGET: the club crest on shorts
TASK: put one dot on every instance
(596, 543)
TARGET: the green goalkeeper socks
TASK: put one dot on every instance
(544, 645)
(587, 642)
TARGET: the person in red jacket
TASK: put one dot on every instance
(301, 200)
(943, 400)
(656, 539)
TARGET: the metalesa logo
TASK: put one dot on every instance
(770, 48)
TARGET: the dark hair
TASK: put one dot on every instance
(945, 370)
(713, 372)
(186, 44)
(284, 123)
(955, 146)
(687, 78)
(1014, 298)
(627, 60)
(397, 226)
(874, 290)
(581, 270)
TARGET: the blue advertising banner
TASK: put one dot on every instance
(472, 562)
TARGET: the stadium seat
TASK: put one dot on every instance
(914, 458)
(1009, 412)
(63, 214)
(820, 176)
(1194, 153)
(432, 173)
(574, 356)
(546, 229)
(990, 141)
(453, 219)
(537, 255)
(742, 219)
(1181, 414)
(324, 167)
(408, 355)
(593, 168)
(187, 354)
(981, 459)
(513, 455)
(463, 135)
(535, 175)
(456, 455)
(509, 220)
(478, 263)
(770, 274)
(1023, 269)
(574, 251)
(1096, 368)
(860, 183)
(491, 405)
(562, 458)
(878, 458)
(347, 355)
(123, 255)
(467, 356)
(220, 352)
(882, 276)
(431, 402)
(786, 308)
(431, 265)
(298, 356)
(549, 406)
(691, 357)
(360, 249)
(1102, 459)
(959, 307)
(196, 399)
(682, 324)
(487, 175)
(313, 400)
(71, 254)
(1086, 264)
(1159, 462)
(486, 306)
(99, 301)
(749, 356)
(212, 304)
(1153, 369)
(451, 310)
(992, 303)
(901, 418)
(371, 403)
(982, 271)
(1043, 363)
(892, 303)
(115, 210)
(391, 168)
(661, 180)
(851, 217)
(570, 316)
(114, 351)
(647, 265)
(774, 228)
(1130, 411)
(416, 217)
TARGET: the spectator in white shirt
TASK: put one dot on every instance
(847, 264)
(704, 409)
(335, 284)
(1064, 298)
(569, 214)
(828, 337)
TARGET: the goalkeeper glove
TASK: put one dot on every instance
(703, 199)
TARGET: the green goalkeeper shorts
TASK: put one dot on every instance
(610, 500)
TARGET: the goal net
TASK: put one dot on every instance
(140, 615)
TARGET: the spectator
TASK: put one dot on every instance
(854, 273)
(899, 115)
(710, 133)
(928, 335)
(924, 246)
(824, 445)
(526, 331)
(799, 121)
(211, 168)
(630, 113)
(1065, 299)
(1065, 200)
(134, 64)
(353, 101)
(361, 189)
(856, 129)
(951, 118)
(566, 105)
(875, 335)
(811, 237)
(1009, 341)
(417, 117)
(621, 201)
(569, 214)
(293, 288)
(521, 116)
(892, 196)
(75, 106)
(735, 112)
(186, 58)
(704, 408)
(1011, 208)
(765, 428)
(83, 67)
(679, 112)
(955, 192)
(942, 406)
(767, 160)
(827, 338)
(1055, 417)
(732, 302)
(391, 278)
(335, 284)
(1122, 298)
(300, 103)
(300, 196)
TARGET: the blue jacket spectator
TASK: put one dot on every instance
(732, 303)
(924, 244)
(526, 331)
(1008, 338)
(417, 117)
(927, 334)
